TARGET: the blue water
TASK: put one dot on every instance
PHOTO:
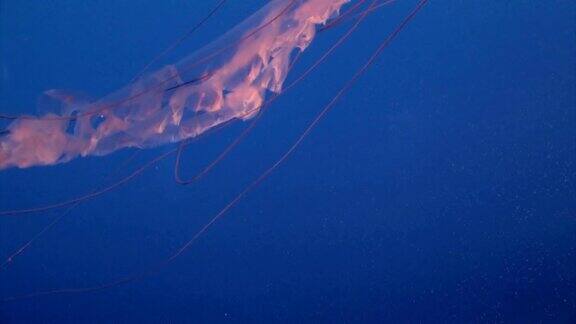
(441, 188)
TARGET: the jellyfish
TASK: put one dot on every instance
(231, 79)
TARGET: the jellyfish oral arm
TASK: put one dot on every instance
(165, 107)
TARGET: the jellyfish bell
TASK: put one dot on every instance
(163, 107)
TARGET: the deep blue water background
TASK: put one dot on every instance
(441, 188)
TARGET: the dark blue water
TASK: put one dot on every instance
(441, 188)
